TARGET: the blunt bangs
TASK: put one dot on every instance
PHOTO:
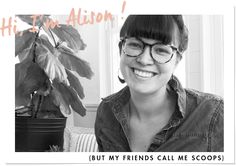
(158, 27)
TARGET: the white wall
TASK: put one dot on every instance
(213, 54)
(193, 53)
(204, 57)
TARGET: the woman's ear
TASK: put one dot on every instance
(120, 46)
(178, 59)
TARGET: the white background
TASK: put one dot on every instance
(10, 8)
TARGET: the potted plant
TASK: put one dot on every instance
(47, 86)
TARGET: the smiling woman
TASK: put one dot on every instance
(154, 112)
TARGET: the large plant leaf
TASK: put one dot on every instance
(24, 41)
(21, 99)
(47, 60)
(70, 35)
(40, 19)
(75, 83)
(48, 109)
(43, 39)
(70, 97)
(26, 53)
(29, 77)
(72, 62)
(59, 101)
(20, 73)
(34, 79)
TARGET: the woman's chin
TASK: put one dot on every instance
(146, 86)
(143, 88)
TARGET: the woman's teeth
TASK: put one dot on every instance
(144, 74)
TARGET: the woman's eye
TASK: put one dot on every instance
(162, 51)
(135, 45)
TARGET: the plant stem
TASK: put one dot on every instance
(34, 54)
(34, 45)
(40, 101)
(34, 61)
(32, 104)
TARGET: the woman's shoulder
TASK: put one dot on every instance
(206, 102)
(203, 96)
(118, 98)
(122, 94)
(205, 115)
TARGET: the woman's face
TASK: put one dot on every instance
(143, 74)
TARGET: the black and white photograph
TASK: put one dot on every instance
(152, 112)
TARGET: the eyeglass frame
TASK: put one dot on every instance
(174, 49)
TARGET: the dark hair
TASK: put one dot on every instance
(158, 27)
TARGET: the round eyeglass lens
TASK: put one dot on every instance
(161, 53)
(133, 47)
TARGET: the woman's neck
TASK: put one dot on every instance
(146, 106)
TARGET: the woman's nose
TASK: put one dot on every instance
(145, 58)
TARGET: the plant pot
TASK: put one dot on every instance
(37, 135)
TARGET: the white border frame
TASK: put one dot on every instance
(169, 7)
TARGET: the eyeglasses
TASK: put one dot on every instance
(161, 53)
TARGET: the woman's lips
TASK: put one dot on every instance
(143, 73)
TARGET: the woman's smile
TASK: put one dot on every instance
(142, 73)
